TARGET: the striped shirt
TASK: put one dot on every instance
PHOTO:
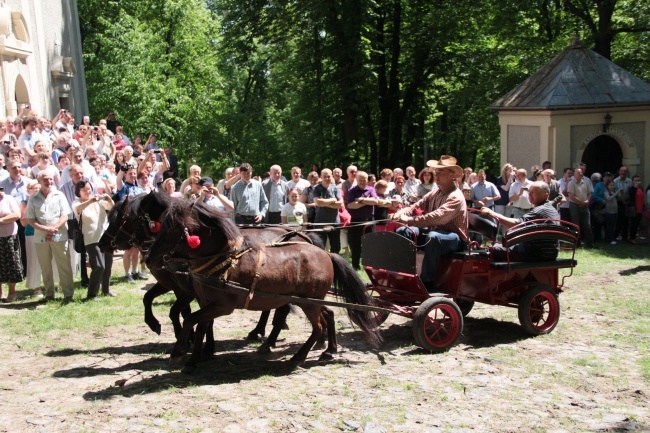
(441, 210)
(248, 198)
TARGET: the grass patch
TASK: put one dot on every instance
(46, 325)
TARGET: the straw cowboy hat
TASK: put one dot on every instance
(446, 161)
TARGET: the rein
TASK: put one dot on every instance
(226, 266)
(325, 227)
(234, 250)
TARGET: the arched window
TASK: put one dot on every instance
(19, 27)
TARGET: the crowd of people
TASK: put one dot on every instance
(59, 179)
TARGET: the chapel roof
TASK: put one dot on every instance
(577, 78)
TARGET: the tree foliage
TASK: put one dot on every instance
(376, 82)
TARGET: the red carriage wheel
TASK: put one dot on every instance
(437, 324)
(539, 310)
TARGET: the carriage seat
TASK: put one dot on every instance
(482, 224)
(560, 231)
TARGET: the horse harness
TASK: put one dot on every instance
(223, 269)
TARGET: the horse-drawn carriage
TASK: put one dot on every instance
(228, 269)
(393, 263)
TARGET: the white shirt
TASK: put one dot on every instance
(89, 173)
(301, 184)
(94, 220)
(411, 187)
(8, 205)
(523, 202)
(214, 202)
(295, 214)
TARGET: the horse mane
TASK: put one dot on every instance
(157, 198)
(212, 218)
(196, 216)
(115, 210)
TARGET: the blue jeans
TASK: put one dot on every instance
(437, 244)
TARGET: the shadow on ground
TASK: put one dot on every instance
(222, 368)
(633, 271)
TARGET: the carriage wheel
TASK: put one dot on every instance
(377, 317)
(539, 310)
(437, 323)
(465, 306)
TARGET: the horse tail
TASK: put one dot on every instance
(349, 286)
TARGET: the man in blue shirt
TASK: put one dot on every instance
(248, 198)
(483, 192)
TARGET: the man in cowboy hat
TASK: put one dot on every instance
(444, 212)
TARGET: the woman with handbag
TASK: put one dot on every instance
(91, 211)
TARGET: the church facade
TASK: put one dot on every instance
(41, 58)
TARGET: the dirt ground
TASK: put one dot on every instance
(585, 376)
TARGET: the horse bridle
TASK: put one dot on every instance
(143, 245)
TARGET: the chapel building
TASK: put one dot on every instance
(579, 107)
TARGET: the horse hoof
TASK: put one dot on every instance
(254, 336)
(264, 349)
(319, 345)
(189, 369)
(176, 360)
(326, 356)
(155, 327)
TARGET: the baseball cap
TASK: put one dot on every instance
(206, 181)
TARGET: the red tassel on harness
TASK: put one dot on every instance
(193, 241)
(418, 211)
(155, 227)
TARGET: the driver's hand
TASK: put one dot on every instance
(258, 218)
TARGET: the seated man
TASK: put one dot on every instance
(534, 251)
(444, 212)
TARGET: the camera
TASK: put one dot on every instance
(157, 151)
(96, 128)
(7, 142)
(2, 188)
(126, 167)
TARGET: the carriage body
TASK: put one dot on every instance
(393, 264)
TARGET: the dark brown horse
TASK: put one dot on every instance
(225, 253)
(131, 222)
